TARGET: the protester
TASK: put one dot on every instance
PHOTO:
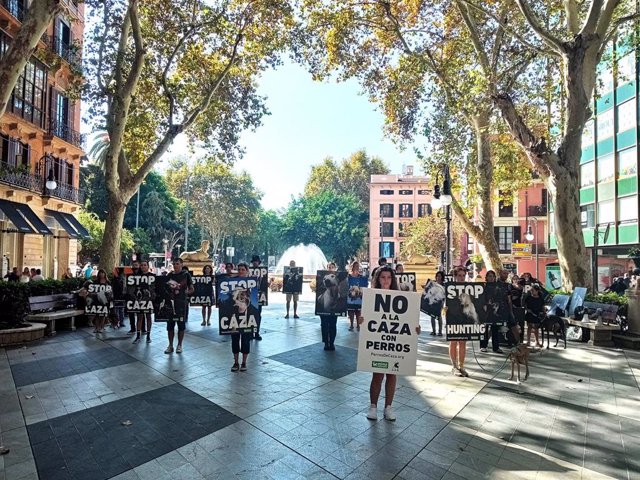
(241, 342)
(328, 322)
(135, 270)
(99, 320)
(440, 280)
(38, 276)
(119, 295)
(534, 308)
(206, 309)
(354, 313)
(26, 276)
(294, 296)
(385, 279)
(67, 275)
(517, 293)
(399, 268)
(144, 321)
(255, 263)
(228, 268)
(183, 289)
(13, 275)
(381, 262)
(458, 348)
(490, 277)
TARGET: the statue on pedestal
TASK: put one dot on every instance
(198, 256)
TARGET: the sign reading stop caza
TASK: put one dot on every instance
(388, 340)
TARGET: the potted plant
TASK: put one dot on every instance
(634, 254)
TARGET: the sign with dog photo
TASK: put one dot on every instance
(406, 281)
(262, 274)
(432, 300)
(332, 290)
(465, 310)
(170, 302)
(496, 303)
(292, 280)
(388, 340)
(238, 305)
(98, 299)
(203, 290)
(356, 286)
(140, 292)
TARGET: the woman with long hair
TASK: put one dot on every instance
(439, 280)
(101, 280)
(354, 313)
(385, 279)
(206, 309)
(144, 321)
(458, 348)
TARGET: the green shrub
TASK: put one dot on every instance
(14, 297)
(608, 298)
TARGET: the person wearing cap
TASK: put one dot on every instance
(255, 263)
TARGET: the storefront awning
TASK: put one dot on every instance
(70, 224)
(23, 218)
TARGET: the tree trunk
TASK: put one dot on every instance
(110, 250)
(36, 21)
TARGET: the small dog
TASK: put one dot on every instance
(519, 355)
(355, 292)
(555, 324)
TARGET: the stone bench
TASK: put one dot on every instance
(599, 335)
(49, 308)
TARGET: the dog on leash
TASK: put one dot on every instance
(555, 324)
(519, 355)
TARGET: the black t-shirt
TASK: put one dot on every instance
(534, 304)
(179, 294)
(516, 296)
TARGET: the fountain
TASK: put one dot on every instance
(309, 257)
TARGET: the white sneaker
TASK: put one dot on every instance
(372, 414)
(169, 349)
(388, 414)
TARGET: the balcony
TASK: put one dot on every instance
(23, 179)
(537, 211)
(66, 133)
(14, 7)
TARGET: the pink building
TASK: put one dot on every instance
(394, 202)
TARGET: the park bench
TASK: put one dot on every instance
(598, 335)
(49, 308)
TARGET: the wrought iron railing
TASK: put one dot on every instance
(35, 182)
(67, 192)
(537, 211)
(15, 8)
(66, 133)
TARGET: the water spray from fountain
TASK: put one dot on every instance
(309, 257)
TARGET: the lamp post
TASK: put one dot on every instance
(178, 248)
(529, 236)
(443, 199)
(46, 167)
(165, 244)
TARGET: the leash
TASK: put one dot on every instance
(475, 357)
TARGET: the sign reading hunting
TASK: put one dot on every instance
(388, 341)
(465, 310)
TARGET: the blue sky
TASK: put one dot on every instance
(310, 121)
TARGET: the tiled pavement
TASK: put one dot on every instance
(80, 407)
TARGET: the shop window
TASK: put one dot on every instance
(606, 212)
(587, 174)
(588, 216)
(606, 169)
(628, 162)
(628, 209)
(627, 115)
(605, 124)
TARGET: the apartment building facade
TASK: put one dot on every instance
(41, 147)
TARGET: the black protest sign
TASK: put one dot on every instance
(238, 304)
(203, 290)
(171, 297)
(406, 281)
(432, 300)
(262, 274)
(465, 310)
(292, 280)
(98, 299)
(332, 290)
(496, 301)
(140, 291)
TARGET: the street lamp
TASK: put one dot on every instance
(529, 236)
(165, 244)
(440, 199)
(178, 248)
(46, 167)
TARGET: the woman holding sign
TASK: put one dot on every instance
(98, 299)
(206, 309)
(385, 279)
(354, 313)
(458, 348)
(241, 342)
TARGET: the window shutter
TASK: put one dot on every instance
(53, 108)
(516, 235)
(496, 234)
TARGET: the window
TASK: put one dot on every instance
(544, 198)
(469, 244)
(386, 210)
(387, 249)
(62, 38)
(587, 174)
(606, 212)
(60, 118)
(605, 80)
(387, 229)
(29, 95)
(505, 236)
(605, 124)
(424, 209)
(588, 216)
(386, 192)
(587, 134)
(505, 205)
(626, 68)
(15, 7)
(406, 192)
(406, 210)
(402, 228)
(627, 115)
(627, 162)
(606, 169)
(628, 209)
(13, 152)
(423, 192)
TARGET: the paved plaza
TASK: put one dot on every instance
(79, 407)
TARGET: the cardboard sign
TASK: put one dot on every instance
(432, 299)
(356, 287)
(332, 289)
(203, 290)
(238, 305)
(388, 341)
(140, 292)
(465, 310)
(99, 299)
(262, 274)
(171, 297)
(292, 280)
(406, 281)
